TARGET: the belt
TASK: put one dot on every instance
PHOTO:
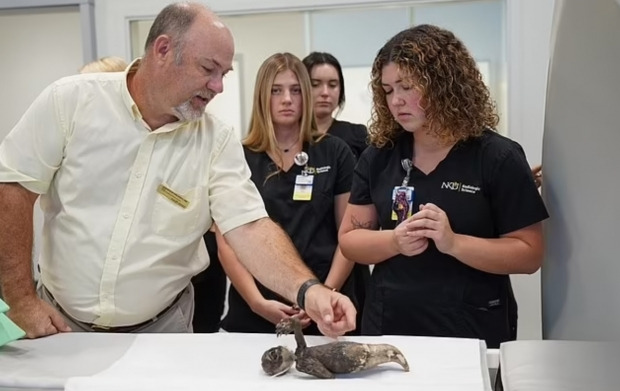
(115, 329)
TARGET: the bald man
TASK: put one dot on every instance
(131, 172)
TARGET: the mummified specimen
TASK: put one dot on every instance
(324, 361)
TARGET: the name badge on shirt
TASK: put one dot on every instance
(402, 203)
(173, 196)
(303, 188)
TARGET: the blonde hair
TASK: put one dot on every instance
(105, 64)
(261, 136)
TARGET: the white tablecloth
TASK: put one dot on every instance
(47, 363)
(89, 361)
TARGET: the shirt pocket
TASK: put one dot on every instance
(171, 219)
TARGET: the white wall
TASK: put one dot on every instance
(38, 46)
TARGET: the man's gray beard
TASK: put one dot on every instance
(185, 112)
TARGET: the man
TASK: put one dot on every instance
(131, 172)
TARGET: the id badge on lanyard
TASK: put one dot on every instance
(402, 203)
(402, 196)
(303, 182)
(303, 187)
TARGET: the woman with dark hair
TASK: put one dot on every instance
(443, 206)
(328, 100)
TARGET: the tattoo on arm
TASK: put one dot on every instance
(360, 224)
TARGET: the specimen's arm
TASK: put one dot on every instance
(299, 336)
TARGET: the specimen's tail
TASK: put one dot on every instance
(382, 353)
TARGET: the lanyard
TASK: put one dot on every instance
(407, 166)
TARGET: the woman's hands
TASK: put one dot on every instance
(430, 222)
(405, 243)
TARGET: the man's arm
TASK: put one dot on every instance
(16, 219)
(271, 310)
(34, 316)
(268, 253)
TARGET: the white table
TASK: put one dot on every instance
(100, 361)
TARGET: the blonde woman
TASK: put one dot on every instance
(304, 178)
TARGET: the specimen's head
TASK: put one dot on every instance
(276, 361)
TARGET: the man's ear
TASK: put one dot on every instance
(162, 47)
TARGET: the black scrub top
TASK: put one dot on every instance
(310, 224)
(486, 188)
(354, 135)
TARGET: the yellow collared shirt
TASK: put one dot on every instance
(114, 250)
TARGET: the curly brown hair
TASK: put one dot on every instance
(456, 101)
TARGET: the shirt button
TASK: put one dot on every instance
(126, 216)
(114, 257)
(139, 175)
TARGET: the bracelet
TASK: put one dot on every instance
(301, 294)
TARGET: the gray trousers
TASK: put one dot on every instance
(176, 319)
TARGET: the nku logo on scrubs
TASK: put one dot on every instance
(317, 170)
(460, 187)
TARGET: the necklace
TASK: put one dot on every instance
(285, 150)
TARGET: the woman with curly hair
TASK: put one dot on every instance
(304, 178)
(443, 206)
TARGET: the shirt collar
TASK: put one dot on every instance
(129, 102)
